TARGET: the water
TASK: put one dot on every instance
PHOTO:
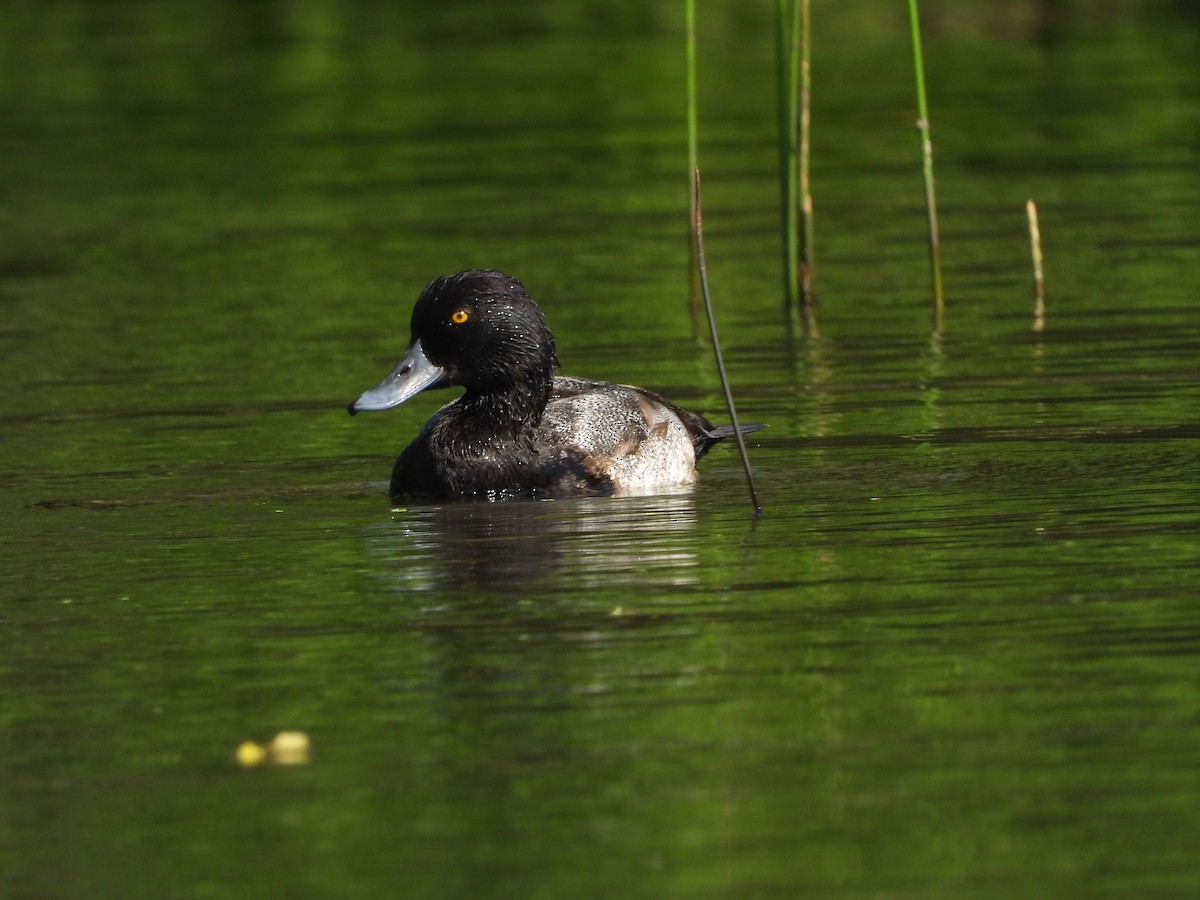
(956, 657)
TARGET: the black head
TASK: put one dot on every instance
(478, 329)
(484, 332)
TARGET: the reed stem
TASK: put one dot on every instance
(698, 227)
(806, 203)
(793, 49)
(786, 67)
(1039, 281)
(935, 254)
(693, 141)
(692, 116)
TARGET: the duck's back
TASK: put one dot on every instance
(627, 436)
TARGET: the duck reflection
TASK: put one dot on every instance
(519, 546)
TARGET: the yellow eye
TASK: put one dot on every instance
(459, 316)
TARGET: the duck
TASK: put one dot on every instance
(518, 428)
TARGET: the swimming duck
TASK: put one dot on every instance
(519, 428)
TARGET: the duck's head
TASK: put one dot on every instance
(478, 329)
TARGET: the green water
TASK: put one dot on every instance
(956, 657)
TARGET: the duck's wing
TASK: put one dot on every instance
(616, 418)
(601, 419)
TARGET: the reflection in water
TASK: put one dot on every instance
(514, 546)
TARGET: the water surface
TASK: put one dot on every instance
(956, 656)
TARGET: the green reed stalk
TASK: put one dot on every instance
(1039, 280)
(793, 94)
(693, 140)
(806, 203)
(935, 253)
(698, 231)
(786, 65)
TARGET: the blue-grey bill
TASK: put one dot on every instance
(412, 375)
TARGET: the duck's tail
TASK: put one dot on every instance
(719, 432)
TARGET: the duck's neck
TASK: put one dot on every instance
(504, 415)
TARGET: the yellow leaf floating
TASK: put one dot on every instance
(288, 748)
(250, 754)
